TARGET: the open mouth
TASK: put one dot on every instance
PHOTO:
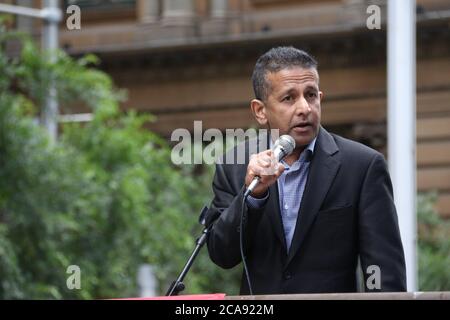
(303, 125)
(302, 128)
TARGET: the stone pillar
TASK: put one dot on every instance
(178, 12)
(148, 11)
(219, 8)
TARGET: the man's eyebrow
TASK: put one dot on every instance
(287, 91)
(313, 87)
(294, 89)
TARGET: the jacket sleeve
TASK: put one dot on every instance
(225, 215)
(380, 245)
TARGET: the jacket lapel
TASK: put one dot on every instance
(273, 210)
(323, 168)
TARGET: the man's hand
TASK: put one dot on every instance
(265, 166)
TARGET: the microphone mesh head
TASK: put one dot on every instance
(287, 143)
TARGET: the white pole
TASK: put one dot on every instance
(402, 124)
(52, 16)
(147, 281)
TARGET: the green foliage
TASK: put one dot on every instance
(434, 247)
(105, 197)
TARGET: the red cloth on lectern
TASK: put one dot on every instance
(214, 296)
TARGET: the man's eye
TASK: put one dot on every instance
(312, 95)
(287, 98)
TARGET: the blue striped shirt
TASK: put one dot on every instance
(291, 185)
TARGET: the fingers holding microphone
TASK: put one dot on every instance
(265, 166)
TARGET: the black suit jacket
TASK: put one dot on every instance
(347, 210)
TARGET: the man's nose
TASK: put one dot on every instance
(302, 106)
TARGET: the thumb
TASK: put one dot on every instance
(280, 169)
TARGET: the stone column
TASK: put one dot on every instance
(219, 8)
(148, 11)
(178, 12)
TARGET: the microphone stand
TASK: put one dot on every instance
(177, 286)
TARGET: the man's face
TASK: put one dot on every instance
(293, 103)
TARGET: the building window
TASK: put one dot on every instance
(105, 10)
(102, 4)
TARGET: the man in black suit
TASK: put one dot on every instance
(316, 212)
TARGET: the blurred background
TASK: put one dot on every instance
(104, 195)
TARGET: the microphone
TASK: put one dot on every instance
(282, 148)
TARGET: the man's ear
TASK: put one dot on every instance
(321, 96)
(259, 111)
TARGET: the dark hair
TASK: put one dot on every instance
(275, 60)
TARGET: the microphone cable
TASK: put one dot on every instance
(241, 244)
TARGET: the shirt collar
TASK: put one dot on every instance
(312, 145)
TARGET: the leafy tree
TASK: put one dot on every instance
(104, 197)
(433, 246)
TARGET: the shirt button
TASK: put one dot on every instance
(286, 207)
